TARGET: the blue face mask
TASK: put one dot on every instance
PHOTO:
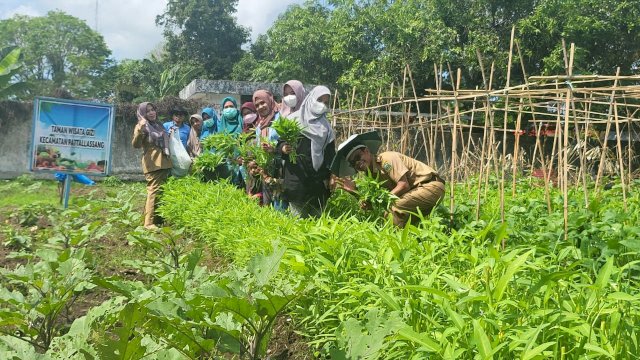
(230, 113)
(208, 123)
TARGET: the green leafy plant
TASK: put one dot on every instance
(207, 161)
(199, 314)
(373, 192)
(223, 143)
(167, 246)
(34, 295)
(10, 65)
(112, 181)
(289, 131)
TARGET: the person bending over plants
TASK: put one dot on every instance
(417, 186)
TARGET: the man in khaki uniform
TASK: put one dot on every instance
(156, 164)
(416, 184)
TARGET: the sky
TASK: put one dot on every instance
(128, 26)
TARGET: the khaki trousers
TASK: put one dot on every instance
(424, 197)
(155, 179)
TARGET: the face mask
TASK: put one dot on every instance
(318, 108)
(290, 100)
(208, 123)
(249, 118)
(230, 113)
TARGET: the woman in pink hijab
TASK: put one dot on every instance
(267, 110)
(293, 93)
(267, 137)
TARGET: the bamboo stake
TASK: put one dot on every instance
(353, 96)
(361, 125)
(491, 158)
(438, 73)
(333, 110)
(465, 156)
(404, 132)
(629, 151)
(556, 135)
(389, 117)
(487, 88)
(377, 114)
(580, 152)
(620, 161)
(537, 134)
(415, 96)
(454, 151)
(606, 134)
(516, 150)
(504, 133)
(565, 177)
(433, 135)
(586, 129)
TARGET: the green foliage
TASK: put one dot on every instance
(166, 247)
(295, 47)
(59, 51)
(208, 161)
(135, 81)
(289, 131)
(605, 34)
(203, 32)
(354, 289)
(223, 143)
(173, 79)
(447, 293)
(374, 194)
(198, 313)
(366, 44)
(34, 295)
(9, 67)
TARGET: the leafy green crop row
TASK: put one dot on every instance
(375, 292)
(355, 289)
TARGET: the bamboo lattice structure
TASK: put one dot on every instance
(570, 130)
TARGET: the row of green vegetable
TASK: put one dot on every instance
(355, 289)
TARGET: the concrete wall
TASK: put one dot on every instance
(16, 126)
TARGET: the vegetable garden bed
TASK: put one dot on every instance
(226, 272)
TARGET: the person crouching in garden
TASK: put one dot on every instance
(150, 135)
(417, 185)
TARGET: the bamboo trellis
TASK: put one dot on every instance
(562, 128)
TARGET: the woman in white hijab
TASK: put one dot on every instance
(306, 183)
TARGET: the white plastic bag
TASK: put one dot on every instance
(179, 156)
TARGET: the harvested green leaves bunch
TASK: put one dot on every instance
(372, 190)
(222, 143)
(289, 131)
(207, 161)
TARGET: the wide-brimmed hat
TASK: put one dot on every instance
(340, 165)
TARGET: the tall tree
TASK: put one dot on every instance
(366, 43)
(606, 34)
(59, 51)
(296, 47)
(205, 33)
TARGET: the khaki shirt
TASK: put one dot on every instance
(153, 157)
(394, 165)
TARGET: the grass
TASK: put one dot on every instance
(21, 193)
